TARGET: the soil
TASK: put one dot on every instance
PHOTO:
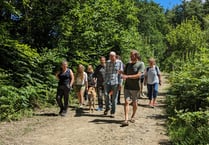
(80, 127)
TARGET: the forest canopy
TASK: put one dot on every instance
(35, 36)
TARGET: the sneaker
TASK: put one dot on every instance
(99, 109)
(64, 113)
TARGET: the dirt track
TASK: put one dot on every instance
(80, 127)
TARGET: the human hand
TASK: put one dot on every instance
(120, 71)
(124, 77)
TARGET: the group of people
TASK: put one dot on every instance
(107, 79)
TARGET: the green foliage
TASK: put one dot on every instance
(152, 27)
(185, 41)
(12, 104)
(188, 102)
(189, 128)
(93, 28)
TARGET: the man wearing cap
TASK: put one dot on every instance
(112, 82)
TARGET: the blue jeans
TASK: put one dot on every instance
(152, 90)
(111, 104)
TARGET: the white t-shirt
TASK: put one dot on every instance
(79, 81)
(152, 75)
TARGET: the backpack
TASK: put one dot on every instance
(156, 69)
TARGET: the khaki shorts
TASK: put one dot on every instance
(79, 88)
(131, 94)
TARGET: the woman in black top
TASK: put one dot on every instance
(66, 79)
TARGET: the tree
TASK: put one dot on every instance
(184, 42)
(93, 28)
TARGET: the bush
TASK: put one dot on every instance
(188, 104)
(189, 128)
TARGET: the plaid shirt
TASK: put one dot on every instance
(112, 77)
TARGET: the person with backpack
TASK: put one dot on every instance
(66, 80)
(152, 80)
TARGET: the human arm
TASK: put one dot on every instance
(145, 78)
(134, 76)
(86, 80)
(159, 76)
(72, 78)
(57, 75)
(137, 74)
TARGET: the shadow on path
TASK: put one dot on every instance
(46, 114)
(105, 121)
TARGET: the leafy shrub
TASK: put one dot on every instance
(188, 103)
(189, 128)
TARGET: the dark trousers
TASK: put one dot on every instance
(100, 93)
(118, 96)
(63, 91)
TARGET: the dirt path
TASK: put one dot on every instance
(82, 128)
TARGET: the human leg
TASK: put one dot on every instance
(155, 93)
(119, 97)
(141, 87)
(107, 90)
(126, 105)
(114, 98)
(134, 96)
(150, 93)
(59, 98)
(66, 99)
(82, 91)
(100, 97)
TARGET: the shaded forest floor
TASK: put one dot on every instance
(80, 127)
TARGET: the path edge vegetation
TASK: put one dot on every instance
(35, 36)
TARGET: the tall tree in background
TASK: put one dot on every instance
(185, 41)
(93, 28)
(152, 26)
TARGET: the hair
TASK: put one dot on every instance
(136, 54)
(102, 57)
(112, 53)
(63, 62)
(80, 72)
(118, 57)
(151, 59)
(90, 68)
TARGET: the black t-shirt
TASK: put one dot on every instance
(64, 78)
(91, 82)
(132, 69)
(100, 75)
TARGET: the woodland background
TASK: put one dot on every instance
(36, 35)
